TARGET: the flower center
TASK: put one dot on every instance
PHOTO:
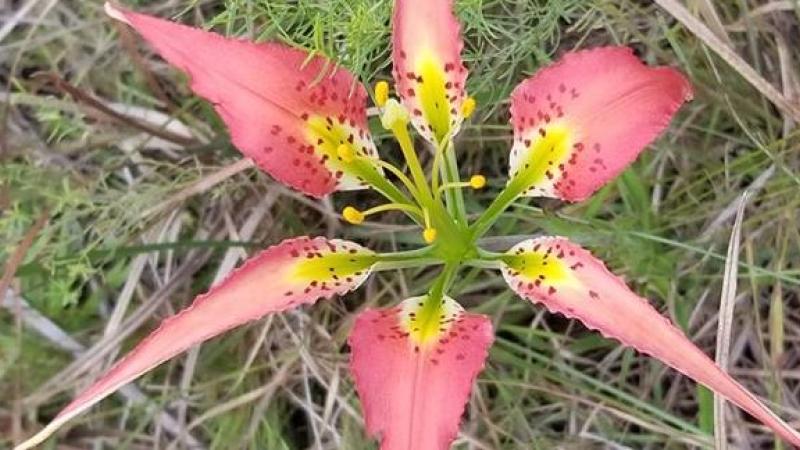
(439, 227)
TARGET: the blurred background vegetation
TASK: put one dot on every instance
(121, 198)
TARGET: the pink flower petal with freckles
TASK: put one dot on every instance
(428, 71)
(414, 379)
(567, 279)
(294, 272)
(285, 109)
(579, 122)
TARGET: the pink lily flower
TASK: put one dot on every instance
(577, 124)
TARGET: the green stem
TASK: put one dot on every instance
(436, 173)
(441, 285)
(486, 255)
(487, 260)
(403, 260)
(453, 197)
(417, 253)
(483, 264)
(411, 263)
(451, 240)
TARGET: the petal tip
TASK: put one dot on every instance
(115, 12)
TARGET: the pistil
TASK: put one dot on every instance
(395, 119)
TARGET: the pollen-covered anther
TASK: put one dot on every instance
(345, 153)
(477, 181)
(352, 215)
(468, 107)
(429, 235)
(381, 93)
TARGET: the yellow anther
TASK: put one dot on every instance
(345, 152)
(381, 93)
(353, 215)
(477, 181)
(468, 107)
(429, 234)
(394, 115)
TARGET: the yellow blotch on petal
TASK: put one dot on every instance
(433, 95)
(533, 266)
(332, 267)
(345, 152)
(338, 145)
(427, 320)
(541, 156)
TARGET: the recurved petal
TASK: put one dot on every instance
(294, 272)
(285, 109)
(428, 71)
(414, 366)
(567, 279)
(579, 122)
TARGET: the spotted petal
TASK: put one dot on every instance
(414, 366)
(569, 280)
(428, 70)
(579, 122)
(294, 272)
(285, 109)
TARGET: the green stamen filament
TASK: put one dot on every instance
(401, 176)
(475, 182)
(355, 217)
(392, 207)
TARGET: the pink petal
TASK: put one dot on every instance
(569, 280)
(284, 276)
(285, 109)
(414, 370)
(579, 122)
(428, 70)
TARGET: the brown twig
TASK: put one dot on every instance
(129, 44)
(86, 99)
